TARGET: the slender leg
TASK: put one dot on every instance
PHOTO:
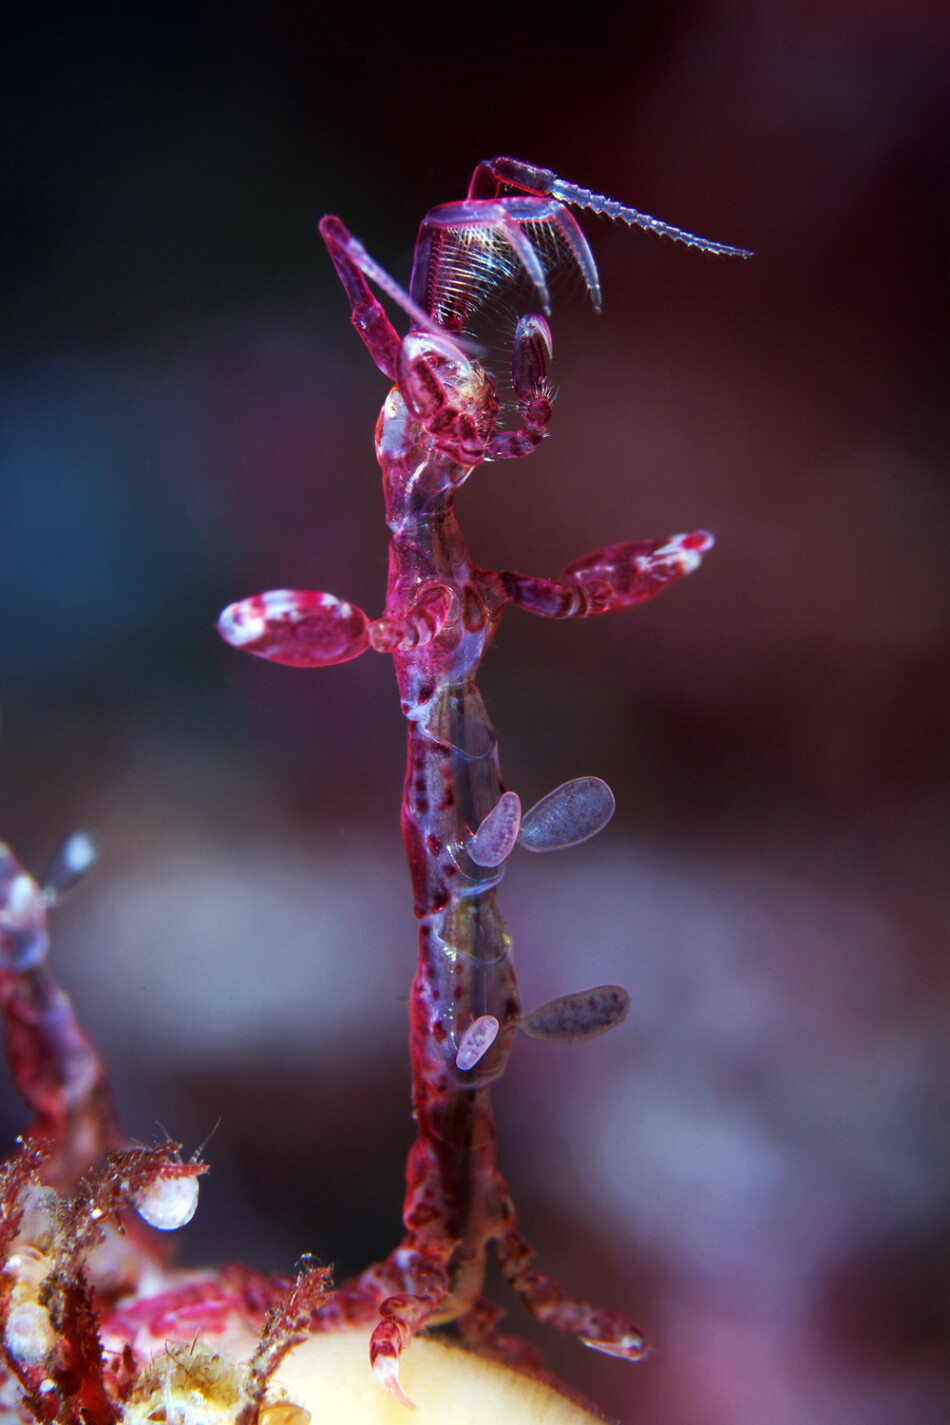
(477, 1328)
(357, 1301)
(604, 1331)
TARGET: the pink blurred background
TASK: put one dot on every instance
(756, 1164)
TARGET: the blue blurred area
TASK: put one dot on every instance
(78, 570)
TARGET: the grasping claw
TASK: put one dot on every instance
(495, 233)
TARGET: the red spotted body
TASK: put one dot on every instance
(438, 424)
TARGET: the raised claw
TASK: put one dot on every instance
(631, 1346)
(446, 393)
(480, 225)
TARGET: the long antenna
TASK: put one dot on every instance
(610, 208)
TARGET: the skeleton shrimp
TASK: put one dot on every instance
(460, 825)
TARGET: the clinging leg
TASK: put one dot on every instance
(351, 260)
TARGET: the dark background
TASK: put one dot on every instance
(756, 1164)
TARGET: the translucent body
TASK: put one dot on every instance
(75, 1169)
(460, 825)
(79, 1326)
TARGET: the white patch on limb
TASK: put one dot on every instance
(688, 556)
(74, 858)
(23, 938)
(79, 853)
(238, 625)
(285, 603)
(22, 895)
(628, 1348)
(330, 601)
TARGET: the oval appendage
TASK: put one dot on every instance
(476, 1041)
(579, 1016)
(495, 838)
(572, 813)
(296, 626)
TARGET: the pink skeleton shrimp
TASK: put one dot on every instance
(99, 1337)
(460, 825)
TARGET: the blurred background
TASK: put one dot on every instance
(756, 1164)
